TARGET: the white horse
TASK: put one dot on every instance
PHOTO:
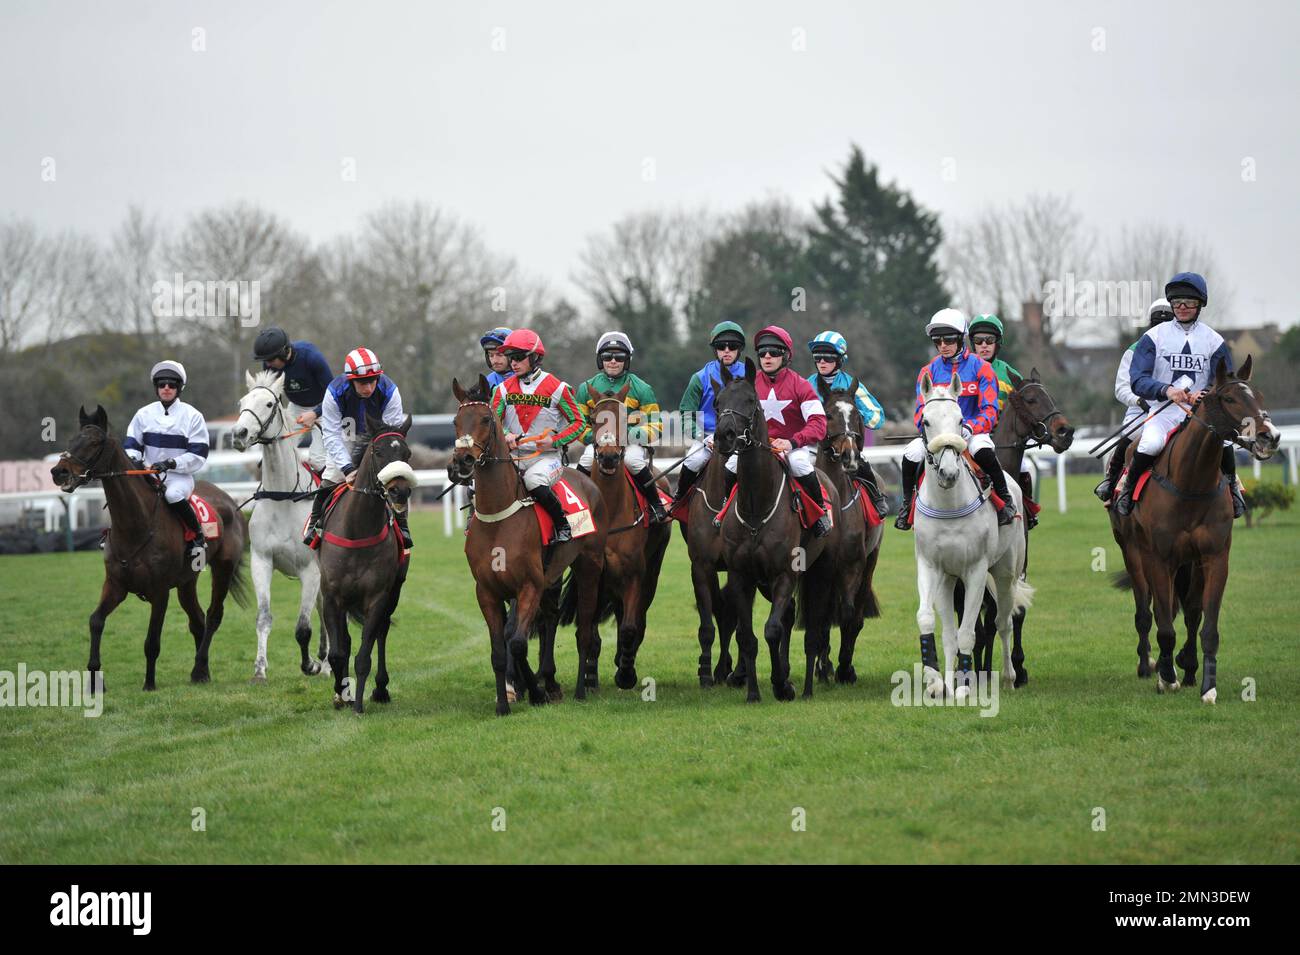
(283, 503)
(958, 538)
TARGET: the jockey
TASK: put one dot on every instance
(985, 333)
(830, 350)
(979, 405)
(1158, 312)
(499, 367)
(529, 403)
(306, 376)
(1176, 361)
(614, 359)
(171, 437)
(363, 390)
(728, 341)
(796, 419)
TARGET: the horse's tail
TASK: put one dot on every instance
(1120, 580)
(1022, 594)
(239, 577)
(870, 603)
(569, 600)
(803, 597)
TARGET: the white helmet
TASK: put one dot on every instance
(175, 367)
(614, 341)
(1162, 308)
(944, 319)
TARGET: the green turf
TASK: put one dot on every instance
(696, 775)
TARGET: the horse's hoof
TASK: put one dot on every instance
(555, 694)
(736, 679)
(625, 679)
(1210, 696)
(511, 695)
(846, 675)
(358, 708)
(580, 692)
(323, 667)
(311, 669)
(537, 699)
(380, 695)
(200, 676)
(1163, 687)
(149, 687)
(752, 698)
(503, 709)
(807, 694)
(785, 693)
(706, 680)
(722, 670)
(1022, 677)
(257, 678)
(339, 702)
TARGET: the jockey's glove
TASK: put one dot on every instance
(165, 465)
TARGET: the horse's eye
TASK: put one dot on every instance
(486, 420)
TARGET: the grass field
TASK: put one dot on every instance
(695, 775)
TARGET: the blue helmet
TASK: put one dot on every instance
(830, 341)
(495, 338)
(1187, 285)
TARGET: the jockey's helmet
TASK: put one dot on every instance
(612, 342)
(495, 338)
(831, 343)
(1187, 285)
(362, 363)
(988, 324)
(528, 342)
(775, 335)
(724, 332)
(946, 321)
(270, 344)
(168, 370)
(1159, 312)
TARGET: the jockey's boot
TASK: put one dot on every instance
(402, 519)
(645, 482)
(988, 461)
(1228, 464)
(684, 482)
(868, 478)
(904, 520)
(545, 496)
(1107, 485)
(1140, 464)
(312, 535)
(1026, 483)
(196, 551)
(813, 488)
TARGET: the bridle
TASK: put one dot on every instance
(745, 440)
(1232, 434)
(261, 437)
(925, 435)
(599, 438)
(854, 435)
(378, 489)
(485, 456)
(1039, 432)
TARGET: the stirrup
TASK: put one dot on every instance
(1007, 514)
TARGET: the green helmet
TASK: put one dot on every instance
(727, 331)
(989, 322)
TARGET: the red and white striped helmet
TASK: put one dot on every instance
(362, 363)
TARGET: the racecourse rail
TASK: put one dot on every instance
(55, 502)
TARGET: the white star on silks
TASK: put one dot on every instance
(774, 407)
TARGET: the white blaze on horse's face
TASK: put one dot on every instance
(845, 408)
(942, 418)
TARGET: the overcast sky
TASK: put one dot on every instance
(545, 141)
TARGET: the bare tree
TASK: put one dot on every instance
(134, 262)
(23, 274)
(1147, 255)
(49, 286)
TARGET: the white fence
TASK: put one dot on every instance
(55, 504)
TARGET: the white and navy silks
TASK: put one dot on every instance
(343, 421)
(157, 433)
(1173, 354)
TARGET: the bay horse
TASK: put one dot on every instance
(144, 552)
(634, 546)
(958, 538)
(509, 559)
(852, 565)
(1182, 528)
(1030, 419)
(282, 502)
(704, 548)
(362, 566)
(766, 547)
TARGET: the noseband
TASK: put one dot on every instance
(1039, 432)
(261, 425)
(745, 440)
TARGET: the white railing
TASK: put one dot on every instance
(55, 503)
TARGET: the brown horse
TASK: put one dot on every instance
(704, 547)
(144, 551)
(767, 549)
(634, 548)
(847, 583)
(1030, 419)
(508, 557)
(362, 568)
(1182, 528)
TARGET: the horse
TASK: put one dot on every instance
(1176, 541)
(362, 565)
(853, 564)
(704, 548)
(508, 557)
(283, 502)
(634, 548)
(767, 549)
(1034, 421)
(143, 554)
(958, 538)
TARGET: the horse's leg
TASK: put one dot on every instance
(340, 651)
(950, 616)
(1215, 577)
(222, 572)
(1141, 613)
(548, 622)
(188, 593)
(1004, 581)
(850, 623)
(153, 639)
(109, 597)
(494, 615)
(323, 648)
(1017, 653)
(985, 628)
(1189, 583)
(778, 638)
(629, 630)
(309, 580)
(588, 604)
(740, 595)
(1162, 591)
(928, 581)
(704, 581)
(976, 581)
(530, 598)
(374, 619)
(262, 570)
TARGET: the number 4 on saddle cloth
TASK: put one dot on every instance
(575, 509)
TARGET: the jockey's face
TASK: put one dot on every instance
(948, 346)
(770, 359)
(727, 353)
(365, 386)
(499, 362)
(276, 363)
(986, 346)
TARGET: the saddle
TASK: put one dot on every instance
(808, 510)
(864, 501)
(576, 510)
(641, 504)
(207, 520)
(356, 543)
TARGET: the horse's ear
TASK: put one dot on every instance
(854, 385)
(82, 417)
(622, 392)
(717, 386)
(100, 418)
(927, 384)
(1016, 380)
(484, 387)
(822, 389)
(1034, 376)
(724, 373)
(406, 425)
(1220, 373)
(751, 372)
(954, 386)
(249, 379)
(457, 390)
(1244, 374)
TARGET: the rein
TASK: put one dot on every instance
(1039, 435)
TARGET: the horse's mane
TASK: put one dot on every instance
(266, 378)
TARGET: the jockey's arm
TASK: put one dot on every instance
(195, 455)
(588, 407)
(873, 414)
(320, 370)
(569, 410)
(689, 406)
(920, 399)
(331, 422)
(394, 416)
(986, 419)
(133, 443)
(814, 416)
